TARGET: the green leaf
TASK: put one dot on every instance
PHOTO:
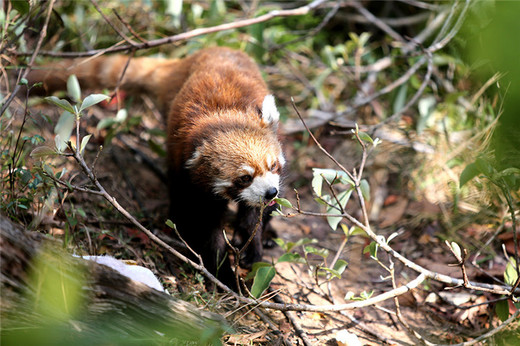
(291, 257)
(63, 104)
(355, 230)
(300, 242)
(170, 224)
(320, 252)
(484, 167)
(60, 144)
(60, 175)
(331, 175)
(48, 170)
(25, 175)
(400, 99)
(366, 295)
(365, 189)
(469, 172)
(63, 130)
(254, 269)
(283, 202)
(262, 280)
(84, 142)
(371, 249)
(365, 137)
(510, 274)
(91, 100)
(22, 6)
(502, 310)
(106, 122)
(340, 266)
(329, 270)
(280, 242)
(73, 88)
(81, 212)
(43, 151)
(343, 198)
(456, 249)
(317, 182)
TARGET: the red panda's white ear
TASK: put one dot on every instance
(270, 114)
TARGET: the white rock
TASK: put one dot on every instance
(137, 273)
(345, 338)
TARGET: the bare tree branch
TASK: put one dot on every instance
(190, 34)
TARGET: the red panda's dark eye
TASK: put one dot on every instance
(245, 179)
(274, 168)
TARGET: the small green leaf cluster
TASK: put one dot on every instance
(71, 115)
(362, 296)
(263, 272)
(507, 178)
(335, 203)
(23, 187)
(510, 278)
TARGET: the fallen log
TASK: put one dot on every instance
(50, 297)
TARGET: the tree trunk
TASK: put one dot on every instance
(50, 297)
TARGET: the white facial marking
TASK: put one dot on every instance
(281, 159)
(193, 160)
(255, 193)
(270, 114)
(270, 161)
(220, 185)
(248, 169)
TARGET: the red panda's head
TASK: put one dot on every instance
(241, 159)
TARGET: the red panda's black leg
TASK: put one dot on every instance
(198, 217)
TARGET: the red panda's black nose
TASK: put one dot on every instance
(271, 193)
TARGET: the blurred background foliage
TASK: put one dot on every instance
(330, 62)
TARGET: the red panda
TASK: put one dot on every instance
(222, 140)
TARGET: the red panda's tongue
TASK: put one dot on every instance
(272, 203)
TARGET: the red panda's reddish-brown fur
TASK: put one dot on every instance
(222, 139)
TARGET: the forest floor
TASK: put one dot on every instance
(396, 205)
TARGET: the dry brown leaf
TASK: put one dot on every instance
(241, 339)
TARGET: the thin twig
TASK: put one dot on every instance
(318, 143)
(43, 34)
(119, 32)
(376, 21)
(297, 328)
(128, 26)
(313, 31)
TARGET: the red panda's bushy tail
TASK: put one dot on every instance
(143, 75)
